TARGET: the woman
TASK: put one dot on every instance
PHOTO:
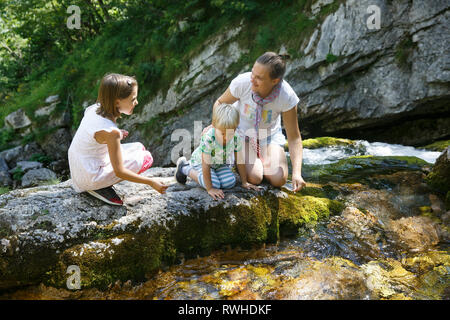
(262, 98)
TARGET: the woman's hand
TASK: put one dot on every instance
(248, 185)
(158, 186)
(124, 133)
(216, 194)
(297, 183)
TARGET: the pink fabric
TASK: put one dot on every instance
(148, 161)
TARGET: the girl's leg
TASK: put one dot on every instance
(226, 177)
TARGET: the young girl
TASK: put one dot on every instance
(97, 159)
(211, 160)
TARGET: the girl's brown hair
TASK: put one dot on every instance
(275, 62)
(112, 87)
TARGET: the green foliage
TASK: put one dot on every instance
(6, 136)
(437, 146)
(18, 173)
(403, 51)
(330, 8)
(135, 37)
(4, 190)
(331, 58)
(42, 158)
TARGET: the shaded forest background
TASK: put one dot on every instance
(152, 40)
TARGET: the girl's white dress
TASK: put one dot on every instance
(89, 162)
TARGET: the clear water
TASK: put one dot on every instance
(336, 153)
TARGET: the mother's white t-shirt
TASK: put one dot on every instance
(240, 88)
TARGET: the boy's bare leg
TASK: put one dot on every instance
(193, 175)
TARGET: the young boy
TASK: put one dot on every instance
(210, 162)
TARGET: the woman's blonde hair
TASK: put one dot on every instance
(225, 116)
(112, 87)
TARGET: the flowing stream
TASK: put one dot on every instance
(387, 244)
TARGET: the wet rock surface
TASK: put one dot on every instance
(385, 238)
(48, 228)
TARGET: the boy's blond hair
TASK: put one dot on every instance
(225, 116)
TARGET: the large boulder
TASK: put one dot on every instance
(44, 230)
(439, 177)
(57, 144)
(35, 177)
(341, 95)
(20, 153)
(26, 166)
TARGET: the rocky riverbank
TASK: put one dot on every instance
(46, 229)
(382, 237)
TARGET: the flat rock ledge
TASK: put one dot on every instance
(46, 229)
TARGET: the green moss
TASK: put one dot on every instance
(4, 190)
(439, 177)
(242, 225)
(321, 142)
(437, 146)
(331, 58)
(312, 191)
(403, 51)
(297, 211)
(103, 262)
(360, 168)
(330, 8)
(427, 211)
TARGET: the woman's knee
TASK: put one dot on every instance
(277, 180)
(255, 178)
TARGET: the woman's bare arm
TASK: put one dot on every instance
(226, 97)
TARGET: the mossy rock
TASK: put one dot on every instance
(298, 211)
(134, 256)
(321, 142)
(360, 168)
(439, 177)
(152, 231)
(437, 146)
